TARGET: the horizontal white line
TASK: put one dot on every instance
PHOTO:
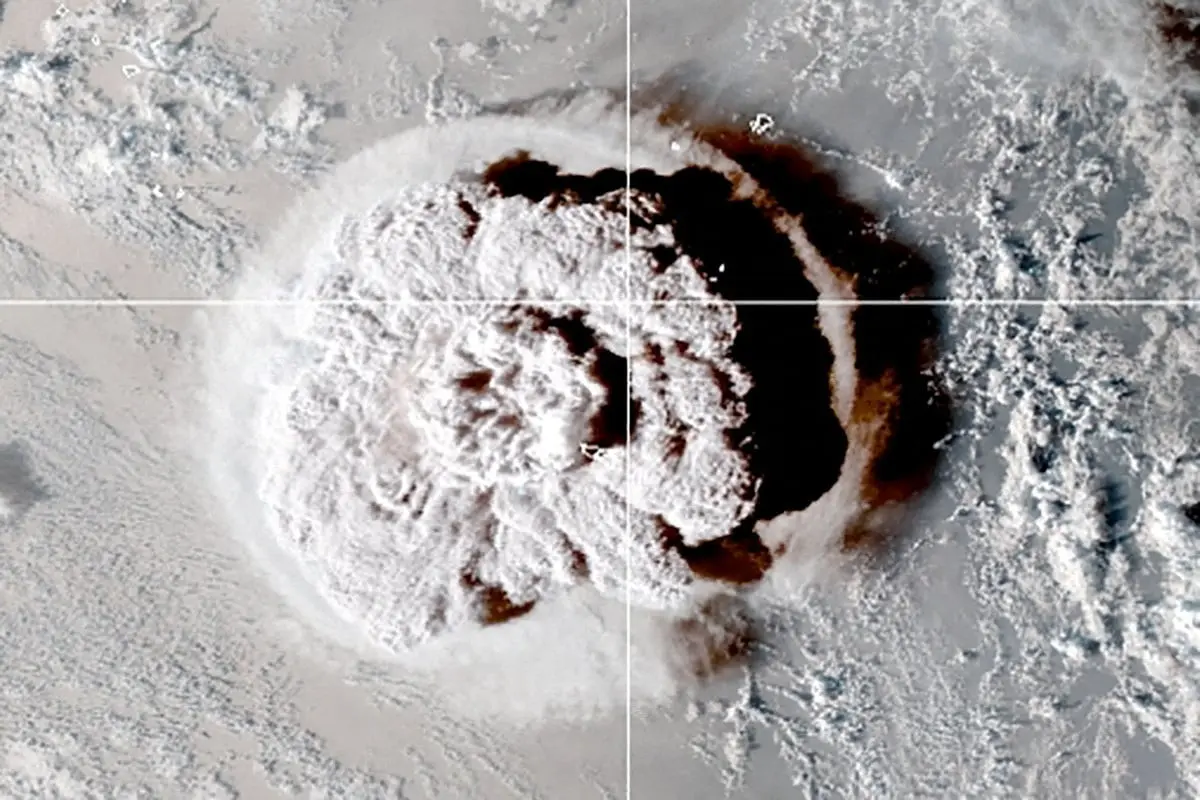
(963, 302)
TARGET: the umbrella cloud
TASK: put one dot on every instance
(508, 390)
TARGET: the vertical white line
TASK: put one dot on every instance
(628, 399)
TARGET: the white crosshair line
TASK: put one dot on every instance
(366, 302)
(628, 399)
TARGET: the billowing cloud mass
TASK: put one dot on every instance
(495, 380)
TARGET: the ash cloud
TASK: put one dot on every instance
(455, 479)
